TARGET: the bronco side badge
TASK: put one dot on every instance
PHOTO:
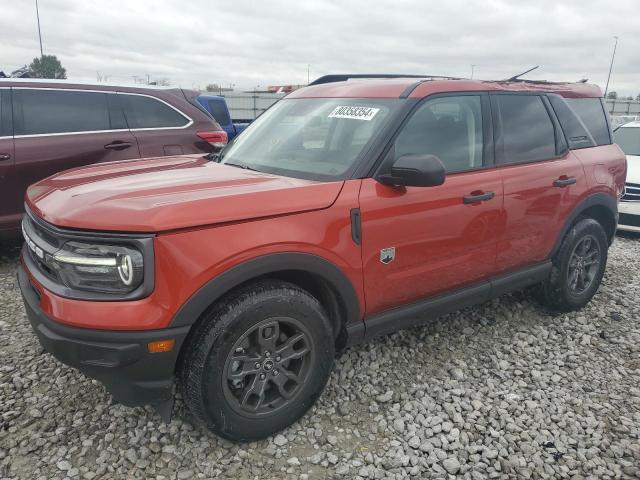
(387, 255)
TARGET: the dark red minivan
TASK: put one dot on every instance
(47, 126)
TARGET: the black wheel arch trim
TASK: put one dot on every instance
(264, 265)
(599, 199)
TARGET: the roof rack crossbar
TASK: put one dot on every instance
(344, 77)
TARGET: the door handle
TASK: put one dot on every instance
(5, 156)
(117, 145)
(564, 181)
(478, 197)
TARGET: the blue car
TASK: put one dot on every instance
(217, 107)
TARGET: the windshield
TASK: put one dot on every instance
(311, 138)
(628, 138)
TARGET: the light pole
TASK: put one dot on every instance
(39, 34)
(308, 68)
(472, 69)
(613, 55)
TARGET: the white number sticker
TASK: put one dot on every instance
(357, 113)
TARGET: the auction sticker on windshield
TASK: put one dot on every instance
(358, 113)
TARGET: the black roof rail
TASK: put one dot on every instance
(347, 76)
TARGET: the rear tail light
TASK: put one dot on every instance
(216, 138)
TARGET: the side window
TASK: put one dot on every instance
(527, 130)
(592, 113)
(6, 129)
(577, 133)
(147, 112)
(58, 111)
(447, 127)
(219, 112)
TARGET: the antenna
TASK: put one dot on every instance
(515, 77)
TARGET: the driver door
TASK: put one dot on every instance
(418, 242)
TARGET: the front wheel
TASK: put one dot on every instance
(578, 267)
(258, 361)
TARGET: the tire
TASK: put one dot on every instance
(564, 290)
(242, 361)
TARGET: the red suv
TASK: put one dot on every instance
(47, 126)
(350, 209)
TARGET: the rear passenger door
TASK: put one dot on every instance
(58, 129)
(158, 126)
(6, 157)
(542, 178)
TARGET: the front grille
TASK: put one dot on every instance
(631, 192)
(45, 243)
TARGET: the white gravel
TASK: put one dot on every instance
(503, 390)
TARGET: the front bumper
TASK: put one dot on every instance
(629, 216)
(118, 359)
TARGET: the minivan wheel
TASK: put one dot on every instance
(577, 268)
(257, 361)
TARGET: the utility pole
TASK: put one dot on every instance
(615, 45)
(308, 69)
(39, 34)
(472, 69)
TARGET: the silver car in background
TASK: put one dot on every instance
(628, 138)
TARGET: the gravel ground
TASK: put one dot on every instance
(503, 390)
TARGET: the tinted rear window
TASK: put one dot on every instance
(219, 112)
(148, 112)
(592, 114)
(5, 113)
(57, 111)
(527, 131)
(628, 138)
(575, 130)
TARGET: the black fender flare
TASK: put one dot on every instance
(215, 288)
(594, 200)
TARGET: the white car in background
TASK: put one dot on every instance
(627, 137)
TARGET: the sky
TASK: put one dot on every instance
(276, 42)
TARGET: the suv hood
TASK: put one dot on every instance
(160, 194)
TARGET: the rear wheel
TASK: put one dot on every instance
(258, 361)
(577, 268)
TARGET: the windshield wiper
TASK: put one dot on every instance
(244, 166)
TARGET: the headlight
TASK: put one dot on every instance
(97, 267)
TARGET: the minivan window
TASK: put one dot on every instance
(45, 111)
(5, 113)
(219, 112)
(577, 133)
(527, 130)
(592, 113)
(147, 112)
(628, 139)
(449, 128)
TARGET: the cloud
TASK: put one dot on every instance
(251, 43)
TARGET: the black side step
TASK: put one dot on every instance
(424, 310)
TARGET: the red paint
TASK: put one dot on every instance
(210, 217)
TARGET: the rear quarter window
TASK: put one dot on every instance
(39, 112)
(6, 130)
(577, 133)
(594, 117)
(147, 112)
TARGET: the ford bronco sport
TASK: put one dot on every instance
(350, 209)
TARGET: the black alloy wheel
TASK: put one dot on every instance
(267, 366)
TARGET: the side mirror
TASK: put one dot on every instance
(415, 171)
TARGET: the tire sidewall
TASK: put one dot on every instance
(576, 234)
(249, 310)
